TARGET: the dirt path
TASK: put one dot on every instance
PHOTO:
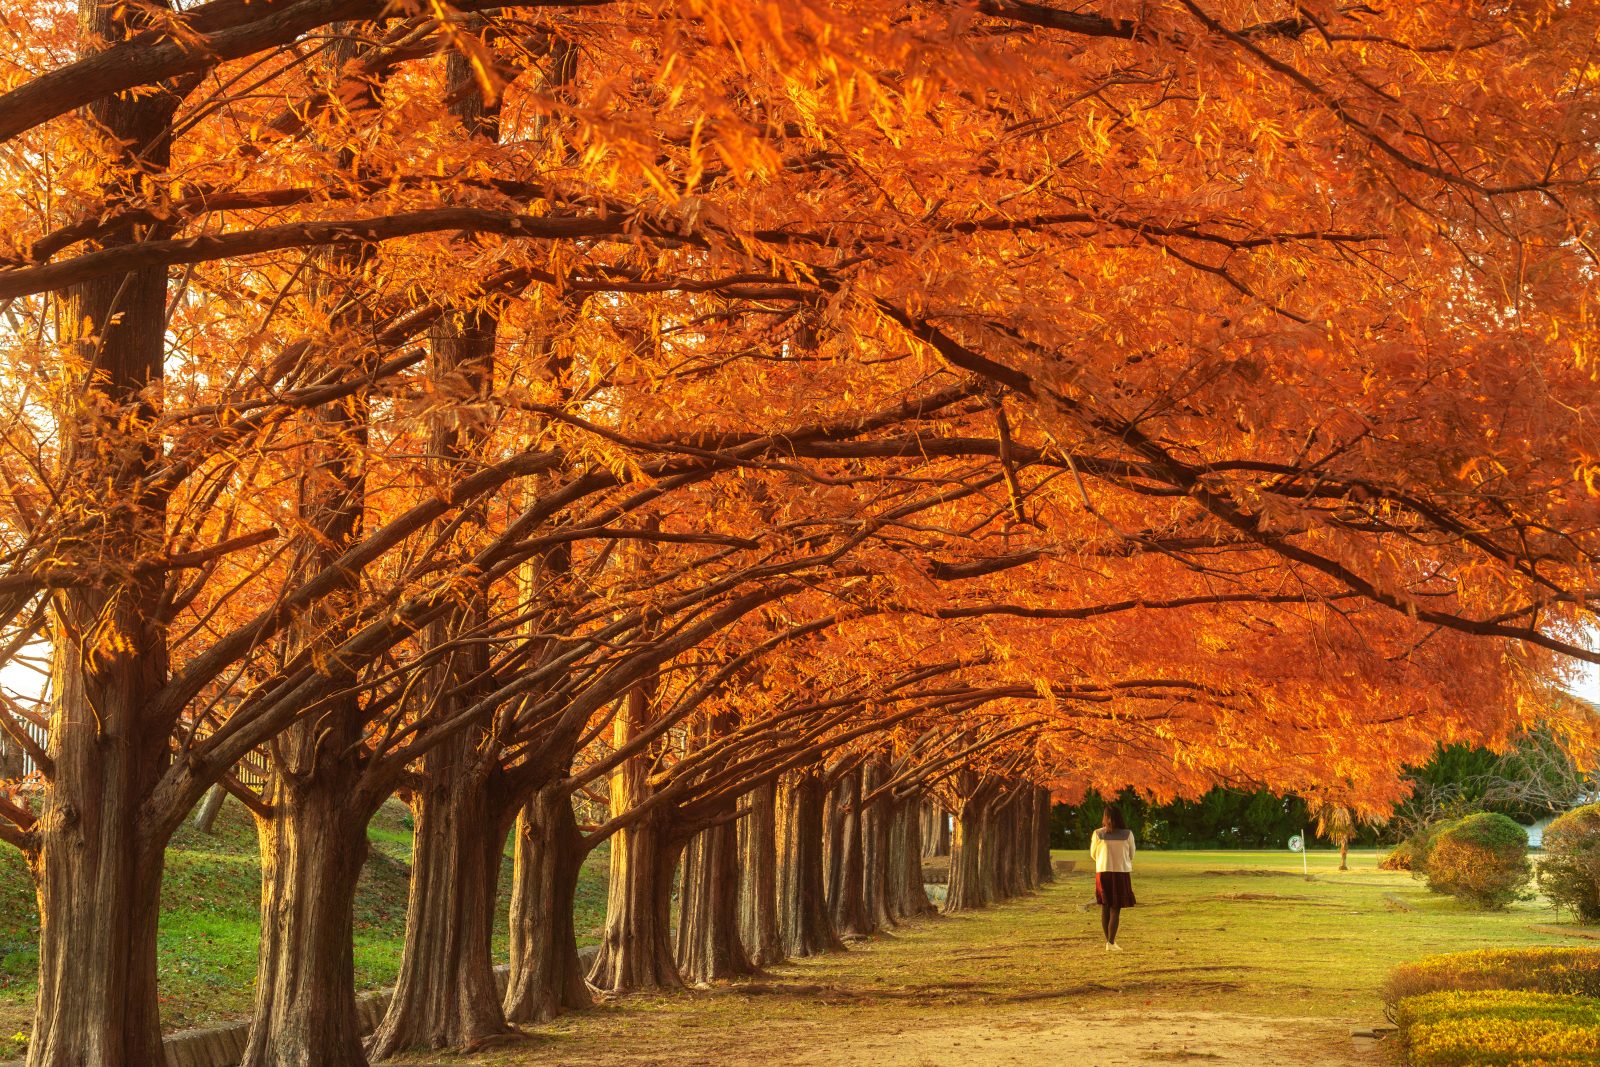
(1004, 1039)
(1108, 1039)
(1027, 983)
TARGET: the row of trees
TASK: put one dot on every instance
(759, 417)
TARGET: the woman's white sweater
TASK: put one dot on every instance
(1114, 853)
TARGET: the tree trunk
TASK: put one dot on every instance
(546, 976)
(1023, 836)
(1042, 829)
(908, 898)
(96, 862)
(934, 828)
(969, 873)
(13, 760)
(1344, 855)
(875, 849)
(1023, 812)
(758, 877)
(992, 850)
(445, 995)
(99, 892)
(205, 817)
(1027, 849)
(1014, 873)
(636, 952)
(313, 845)
(708, 908)
(847, 905)
(803, 920)
(996, 852)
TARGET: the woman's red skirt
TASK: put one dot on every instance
(1114, 889)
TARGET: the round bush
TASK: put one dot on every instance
(1411, 854)
(1569, 874)
(1482, 860)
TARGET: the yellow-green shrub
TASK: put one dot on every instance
(1477, 1028)
(1504, 1004)
(1411, 854)
(1546, 970)
(1570, 872)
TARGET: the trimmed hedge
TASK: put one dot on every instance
(1570, 971)
(1569, 874)
(1487, 1028)
(1481, 859)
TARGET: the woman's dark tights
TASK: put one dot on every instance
(1109, 918)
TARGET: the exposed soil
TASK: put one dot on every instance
(1107, 1040)
(1220, 965)
(1028, 983)
(1053, 1035)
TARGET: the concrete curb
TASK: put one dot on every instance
(223, 1045)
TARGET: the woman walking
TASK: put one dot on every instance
(1112, 851)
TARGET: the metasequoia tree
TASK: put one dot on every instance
(97, 861)
(452, 894)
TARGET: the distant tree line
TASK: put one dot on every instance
(1221, 818)
(1529, 781)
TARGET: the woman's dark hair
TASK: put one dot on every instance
(1114, 816)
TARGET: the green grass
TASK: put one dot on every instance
(1326, 943)
(210, 921)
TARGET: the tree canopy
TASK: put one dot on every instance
(485, 402)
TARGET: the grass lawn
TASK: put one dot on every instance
(1230, 957)
(1319, 947)
(210, 922)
